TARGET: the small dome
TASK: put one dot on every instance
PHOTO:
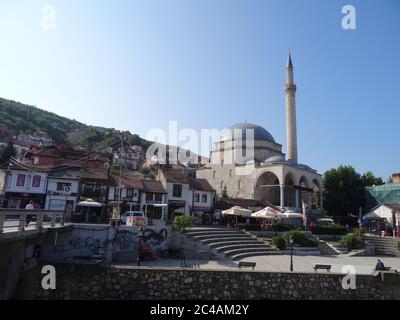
(259, 132)
(275, 159)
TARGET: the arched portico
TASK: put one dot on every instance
(290, 192)
(268, 188)
(317, 195)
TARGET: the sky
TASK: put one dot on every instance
(136, 65)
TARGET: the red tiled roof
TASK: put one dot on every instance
(153, 186)
(130, 182)
(175, 175)
(94, 174)
(203, 185)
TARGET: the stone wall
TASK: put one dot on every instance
(96, 282)
(189, 247)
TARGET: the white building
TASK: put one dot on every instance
(128, 194)
(152, 195)
(384, 211)
(185, 194)
(22, 185)
(62, 189)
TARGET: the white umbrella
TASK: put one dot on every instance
(292, 214)
(89, 203)
(268, 213)
(237, 211)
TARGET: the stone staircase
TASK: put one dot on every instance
(384, 245)
(326, 249)
(233, 244)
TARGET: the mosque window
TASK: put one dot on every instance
(230, 173)
(239, 184)
(213, 174)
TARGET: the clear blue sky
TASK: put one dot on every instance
(136, 65)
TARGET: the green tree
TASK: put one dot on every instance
(181, 223)
(7, 152)
(343, 191)
(369, 179)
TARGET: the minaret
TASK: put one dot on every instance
(291, 132)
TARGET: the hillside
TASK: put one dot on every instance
(27, 119)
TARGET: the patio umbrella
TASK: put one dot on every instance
(267, 213)
(292, 214)
(237, 211)
(304, 211)
(89, 203)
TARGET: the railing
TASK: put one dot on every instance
(20, 219)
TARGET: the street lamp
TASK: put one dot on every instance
(140, 236)
(291, 252)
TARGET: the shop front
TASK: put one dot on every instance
(18, 200)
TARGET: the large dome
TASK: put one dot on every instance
(259, 132)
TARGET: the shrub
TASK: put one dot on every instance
(351, 241)
(249, 227)
(300, 238)
(181, 223)
(333, 229)
(279, 242)
(281, 227)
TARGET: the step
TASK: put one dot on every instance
(241, 246)
(217, 245)
(201, 233)
(219, 239)
(193, 229)
(253, 254)
(219, 235)
(235, 252)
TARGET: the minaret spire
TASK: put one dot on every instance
(291, 131)
(289, 62)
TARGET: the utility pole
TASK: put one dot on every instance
(120, 174)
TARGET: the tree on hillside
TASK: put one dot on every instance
(7, 152)
(344, 190)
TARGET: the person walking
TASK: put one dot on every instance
(29, 206)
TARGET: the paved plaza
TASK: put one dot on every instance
(362, 265)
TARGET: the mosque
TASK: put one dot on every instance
(247, 163)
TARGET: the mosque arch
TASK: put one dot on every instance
(317, 194)
(290, 190)
(267, 188)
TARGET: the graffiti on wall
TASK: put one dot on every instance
(154, 243)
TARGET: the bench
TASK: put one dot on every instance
(323, 267)
(383, 269)
(246, 264)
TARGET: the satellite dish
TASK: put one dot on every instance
(109, 150)
(106, 165)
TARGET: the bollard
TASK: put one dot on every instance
(62, 222)
(22, 222)
(2, 219)
(53, 220)
(39, 221)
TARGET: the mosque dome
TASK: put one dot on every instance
(260, 133)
